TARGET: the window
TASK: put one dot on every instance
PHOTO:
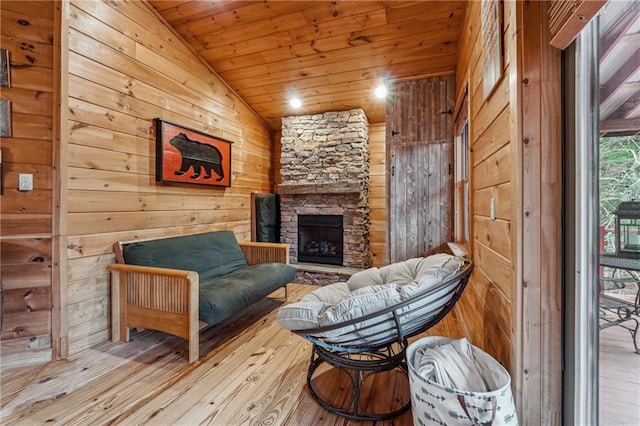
(462, 228)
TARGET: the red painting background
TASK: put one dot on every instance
(170, 160)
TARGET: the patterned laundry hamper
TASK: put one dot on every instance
(434, 404)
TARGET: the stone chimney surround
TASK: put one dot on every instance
(325, 171)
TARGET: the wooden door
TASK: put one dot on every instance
(420, 167)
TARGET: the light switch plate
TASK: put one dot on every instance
(25, 182)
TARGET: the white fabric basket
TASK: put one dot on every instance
(435, 404)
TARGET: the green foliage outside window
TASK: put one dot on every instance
(619, 178)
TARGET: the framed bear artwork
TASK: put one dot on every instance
(186, 155)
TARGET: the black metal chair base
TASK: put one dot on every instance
(375, 343)
(359, 367)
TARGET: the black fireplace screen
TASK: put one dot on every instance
(320, 239)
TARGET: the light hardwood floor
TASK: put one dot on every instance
(250, 372)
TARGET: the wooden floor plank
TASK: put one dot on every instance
(65, 377)
(251, 371)
(15, 380)
(253, 398)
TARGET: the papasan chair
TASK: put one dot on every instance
(361, 326)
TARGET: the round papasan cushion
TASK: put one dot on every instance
(369, 291)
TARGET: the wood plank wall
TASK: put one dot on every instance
(540, 349)
(512, 306)
(487, 304)
(125, 68)
(26, 217)
(377, 194)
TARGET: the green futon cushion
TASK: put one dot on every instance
(210, 254)
(223, 296)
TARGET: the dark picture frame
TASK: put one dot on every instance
(491, 18)
(5, 77)
(185, 155)
(5, 118)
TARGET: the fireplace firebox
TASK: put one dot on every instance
(320, 239)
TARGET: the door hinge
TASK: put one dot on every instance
(393, 133)
(450, 168)
(393, 170)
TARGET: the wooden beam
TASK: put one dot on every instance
(568, 18)
(59, 298)
(538, 345)
(633, 112)
(618, 46)
(619, 125)
(621, 86)
(320, 188)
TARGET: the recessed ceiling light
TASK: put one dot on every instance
(381, 92)
(295, 103)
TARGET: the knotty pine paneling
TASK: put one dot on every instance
(82, 291)
(511, 306)
(541, 215)
(492, 139)
(496, 170)
(494, 234)
(332, 50)
(86, 223)
(502, 196)
(488, 302)
(26, 217)
(83, 246)
(377, 194)
(125, 69)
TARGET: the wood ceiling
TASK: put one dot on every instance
(330, 54)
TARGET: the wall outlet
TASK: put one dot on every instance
(25, 182)
(493, 209)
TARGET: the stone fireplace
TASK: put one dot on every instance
(325, 173)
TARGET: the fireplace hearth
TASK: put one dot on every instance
(320, 239)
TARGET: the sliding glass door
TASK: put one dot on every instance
(580, 86)
(601, 88)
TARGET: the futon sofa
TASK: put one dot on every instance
(181, 284)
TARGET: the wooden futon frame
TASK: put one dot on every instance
(167, 299)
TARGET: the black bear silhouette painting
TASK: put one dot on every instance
(196, 156)
(189, 156)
